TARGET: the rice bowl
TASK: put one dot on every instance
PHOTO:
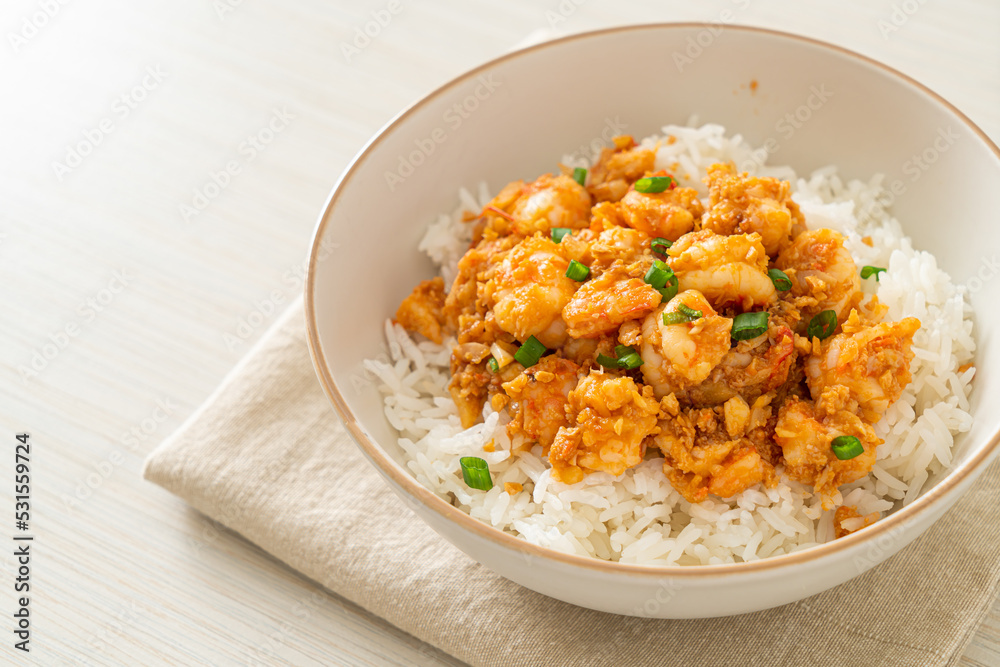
(638, 517)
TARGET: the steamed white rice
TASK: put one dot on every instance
(638, 517)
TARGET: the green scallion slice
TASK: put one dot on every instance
(781, 281)
(630, 361)
(607, 362)
(823, 325)
(577, 271)
(628, 358)
(660, 245)
(559, 232)
(846, 447)
(681, 315)
(670, 291)
(749, 325)
(530, 352)
(869, 271)
(580, 176)
(658, 274)
(476, 473)
(493, 365)
(654, 184)
(690, 312)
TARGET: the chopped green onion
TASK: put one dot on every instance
(630, 361)
(580, 176)
(476, 473)
(670, 291)
(846, 447)
(661, 277)
(607, 362)
(749, 325)
(660, 245)
(627, 359)
(690, 312)
(869, 271)
(654, 184)
(493, 365)
(781, 281)
(681, 315)
(823, 325)
(528, 354)
(577, 271)
(658, 274)
(559, 232)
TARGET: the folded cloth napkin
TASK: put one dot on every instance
(267, 457)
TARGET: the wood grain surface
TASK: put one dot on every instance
(161, 170)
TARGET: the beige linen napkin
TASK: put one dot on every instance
(268, 457)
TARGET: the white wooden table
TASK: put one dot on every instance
(161, 169)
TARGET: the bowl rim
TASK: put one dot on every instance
(922, 506)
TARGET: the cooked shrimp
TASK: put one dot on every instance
(700, 456)
(551, 201)
(609, 417)
(805, 435)
(422, 311)
(618, 243)
(872, 362)
(749, 370)
(607, 301)
(726, 269)
(530, 289)
(739, 203)
(539, 396)
(668, 214)
(677, 356)
(823, 273)
(617, 168)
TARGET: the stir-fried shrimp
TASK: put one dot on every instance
(726, 269)
(701, 457)
(872, 362)
(618, 244)
(550, 201)
(668, 214)
(538, 399)
(805, 435)
(742, 204)
(617, 168)
(609, 417)
(650, 325)
(823, 273)
(749, 370)
(530, 289)
(423, 310)
(681, 355)
(606, 302)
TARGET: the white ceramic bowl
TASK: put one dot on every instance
(515, 117)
